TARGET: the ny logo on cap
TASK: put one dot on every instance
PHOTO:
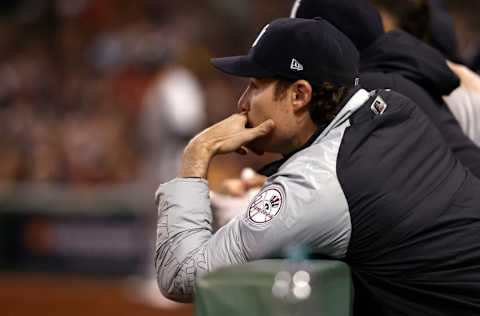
(260, 35)
(295, 65)
(296, 5)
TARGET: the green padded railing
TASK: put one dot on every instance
(247, 290)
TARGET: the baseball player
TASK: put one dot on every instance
(365, 178)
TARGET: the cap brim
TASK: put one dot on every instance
(241, 66)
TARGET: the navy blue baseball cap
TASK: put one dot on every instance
(357, 19)
(309, 49)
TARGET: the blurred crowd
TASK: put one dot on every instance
(110, 91)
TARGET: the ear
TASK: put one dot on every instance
(301, 94)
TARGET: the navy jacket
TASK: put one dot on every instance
(399, 61)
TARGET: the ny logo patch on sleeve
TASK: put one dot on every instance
(266, 204)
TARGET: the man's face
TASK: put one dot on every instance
(260, 104)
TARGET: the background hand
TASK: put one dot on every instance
(239, 187)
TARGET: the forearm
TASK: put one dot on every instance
(184, 227)
(186, 247)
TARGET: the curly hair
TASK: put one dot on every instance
(326, 99)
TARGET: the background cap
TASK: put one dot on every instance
(357, 19)
(310, 49)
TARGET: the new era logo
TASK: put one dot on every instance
(295, 65)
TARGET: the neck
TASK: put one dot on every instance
(302, 137)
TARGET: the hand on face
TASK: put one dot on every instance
(224, 137)
(232, 134)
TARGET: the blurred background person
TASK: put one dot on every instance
(97, 99)
(431, 22)
(467, 29)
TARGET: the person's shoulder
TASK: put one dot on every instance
(397, 100)
(377, 80)
(395, 82)
(316, 161)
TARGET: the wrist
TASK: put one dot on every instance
(196, 160)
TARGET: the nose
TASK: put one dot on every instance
(243, 104)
